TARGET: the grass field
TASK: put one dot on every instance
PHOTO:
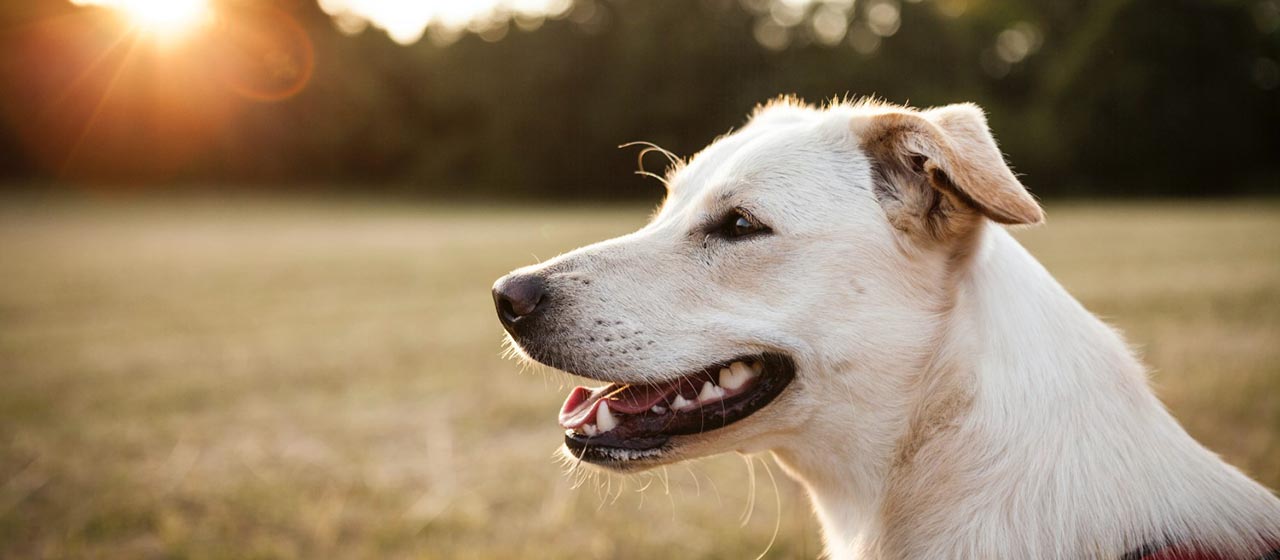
(274, 379)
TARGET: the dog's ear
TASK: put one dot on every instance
(936, 171)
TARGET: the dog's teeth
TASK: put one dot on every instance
(590, 429)
(757, 367)
(658, 409)
(604, 418)
(731, 379)
(680, 403)
(710, 392)
(726, 378)
(737, 375)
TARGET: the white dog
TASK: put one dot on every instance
(832, 285)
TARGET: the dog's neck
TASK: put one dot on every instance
(1031, 433)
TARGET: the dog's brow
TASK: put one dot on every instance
(731, 190)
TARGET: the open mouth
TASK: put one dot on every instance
(619, 422)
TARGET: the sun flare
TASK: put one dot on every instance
(168, 18)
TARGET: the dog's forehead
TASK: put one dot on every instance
(771, 159)
(759, 149)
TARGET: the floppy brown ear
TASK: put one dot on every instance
(941, 164)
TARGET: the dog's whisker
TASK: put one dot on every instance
(696, 484)
(622, 486)
(716, 489)
(777, 504)
(751, 490)
(672, 159)
(660, 178)
(670, 499)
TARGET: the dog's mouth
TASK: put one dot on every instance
(621, 422)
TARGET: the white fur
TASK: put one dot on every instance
(952, 400)
(1066, 453)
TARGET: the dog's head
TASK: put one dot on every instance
(798, 267)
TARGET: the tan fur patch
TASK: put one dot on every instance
(941, 169)
(936, 417)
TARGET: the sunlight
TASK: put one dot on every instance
(168, 18)
(405, 22)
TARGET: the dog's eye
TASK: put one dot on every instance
(739, 224)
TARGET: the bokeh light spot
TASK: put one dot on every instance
(883, 17)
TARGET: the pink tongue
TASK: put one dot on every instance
(580, 407)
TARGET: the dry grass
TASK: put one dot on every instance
(274, 379)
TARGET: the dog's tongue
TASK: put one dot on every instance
(581, 405)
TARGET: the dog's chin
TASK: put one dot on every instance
(630, 427)
(678, 449)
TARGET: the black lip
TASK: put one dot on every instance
(648, 432)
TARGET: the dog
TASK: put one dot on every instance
(834, 285)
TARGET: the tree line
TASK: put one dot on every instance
(1087, 97)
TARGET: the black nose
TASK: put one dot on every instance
(518, 296)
